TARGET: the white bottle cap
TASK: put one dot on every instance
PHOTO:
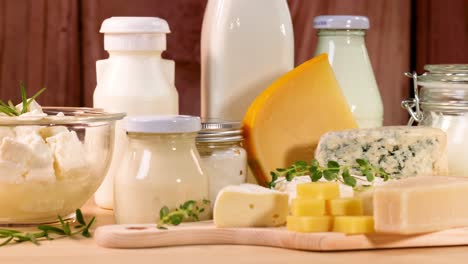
(135, 33)
(163, 124)
(341, 22)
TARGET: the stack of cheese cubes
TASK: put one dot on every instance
(318, 208)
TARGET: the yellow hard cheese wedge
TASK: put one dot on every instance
(344, 206)
(308, 224)
(285, 122)
(308, 207)
(353, 224)
(318, 190)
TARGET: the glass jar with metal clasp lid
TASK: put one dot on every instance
(224, 159)
(442, 102)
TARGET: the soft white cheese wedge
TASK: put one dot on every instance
(69, 154)
(250, 205)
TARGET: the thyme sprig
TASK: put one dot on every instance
(11, 110)
(333, 171)
(188, 211)
(48, 232)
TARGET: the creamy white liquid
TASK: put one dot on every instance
(164, 171)
(348, 57)
(137, 83)
(246, 45)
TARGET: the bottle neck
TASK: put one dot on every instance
(135, 53)
(342, 33)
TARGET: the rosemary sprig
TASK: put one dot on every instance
(333, 171)
(10, 109)
(45, 231)
(188, 211)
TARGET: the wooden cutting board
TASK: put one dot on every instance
(205, 233)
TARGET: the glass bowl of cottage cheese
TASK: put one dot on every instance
(52, 160)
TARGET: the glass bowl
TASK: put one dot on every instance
(50, 166)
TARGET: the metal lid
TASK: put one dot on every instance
(447, 73)
(341, 22)
(163, 124)
(219, 130)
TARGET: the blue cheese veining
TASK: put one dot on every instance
(402, 151)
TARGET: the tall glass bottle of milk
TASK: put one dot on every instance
(134, 79)
(342, 37)
(245, 46)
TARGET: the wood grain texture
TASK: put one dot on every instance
(441, 32)
(205, 233)
(184, 18)
(388, 43)
(39, 45)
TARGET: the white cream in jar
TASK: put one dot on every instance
(224, 160)
(161, 167)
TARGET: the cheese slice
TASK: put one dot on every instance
(344, 206)
(285, 122)
(400, 150)
(250, 205)
(421, 204)
(353, 224)
(309, 224)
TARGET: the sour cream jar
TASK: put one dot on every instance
(223, 157)
(161, 167)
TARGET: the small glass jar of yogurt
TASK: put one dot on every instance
(224, 159)
(161, 167)
(442, 102)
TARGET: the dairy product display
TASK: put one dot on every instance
(236, 65)
(342, 38)
(421, 204)
(249, 205)
(134, 79)
(400, 151)
(283, 126)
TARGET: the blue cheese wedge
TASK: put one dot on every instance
(250, 205)
(400, 150)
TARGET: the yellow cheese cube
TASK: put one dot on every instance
(308, 224)
(353, 224)
(318, 190)
(308, 207)
(344, 206)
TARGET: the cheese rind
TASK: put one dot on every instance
(421, 204)
(344, 206)
(353, 224)
(308, 207)
(309, 224)
(401, 151)
(318, 190)
(249, 205)
(285, 121)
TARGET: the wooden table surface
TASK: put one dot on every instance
(86, 251)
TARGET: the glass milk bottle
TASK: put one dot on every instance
(161, 167)
(342, 37)
(134, 79)
(245, 46)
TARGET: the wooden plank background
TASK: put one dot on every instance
(55, 43)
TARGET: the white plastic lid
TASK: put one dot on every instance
(163, 124)
(341, 22)
(135, 33)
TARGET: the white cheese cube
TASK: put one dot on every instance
(250, 205)
(401, 151)
(51, 131)
(69, 154)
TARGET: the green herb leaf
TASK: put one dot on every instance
(10, 109)
(163, 211)
(350, 181)
(188, 211)
(24, 98)
(333, 164)
(330, 175)
(316, 176)
(300, 163)
(79, 217)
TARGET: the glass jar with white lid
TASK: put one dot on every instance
(442, 102)
(223, 157)
(161, 167)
